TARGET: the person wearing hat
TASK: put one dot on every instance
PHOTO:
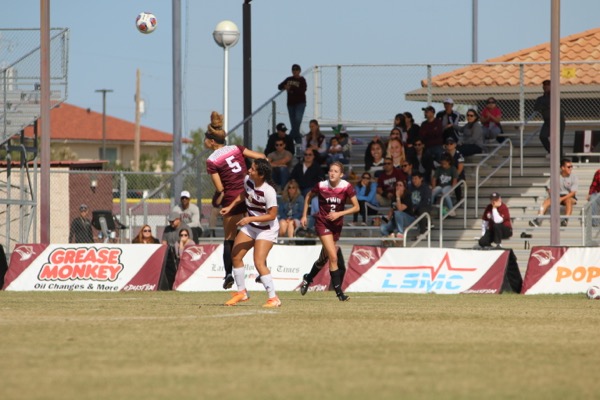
(81, 227)
(170, 238)
(280, 133)
(449, 119)
(432, 133)
(495, 222)
(295, 86)
(189, 214)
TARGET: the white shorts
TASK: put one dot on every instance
(260, 234)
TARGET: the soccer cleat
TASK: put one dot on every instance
(343, 297)
(273, 302)
(534, 222)
(304, 285)
(228, 282)
(238, 297)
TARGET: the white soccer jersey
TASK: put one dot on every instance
(258, 201)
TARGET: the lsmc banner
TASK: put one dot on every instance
(85, 267)
(561, 270)
(419, 270)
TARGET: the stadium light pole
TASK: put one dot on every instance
(226, 35)
(104, 91)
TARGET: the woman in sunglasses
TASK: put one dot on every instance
(184, 241)
(145, 236)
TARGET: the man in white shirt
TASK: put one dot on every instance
(189, 214)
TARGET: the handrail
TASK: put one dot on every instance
(462, 201)
(506, 142)
(413, 224)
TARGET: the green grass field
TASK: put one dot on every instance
(167, 345)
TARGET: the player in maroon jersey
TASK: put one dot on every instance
(227, 169)
(333, 193)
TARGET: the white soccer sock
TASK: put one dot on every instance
(267, 281)
(239, 274)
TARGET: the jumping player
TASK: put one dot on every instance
(227, 169)
(333, 194)
(259, 230)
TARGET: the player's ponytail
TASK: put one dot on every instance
(214, 130)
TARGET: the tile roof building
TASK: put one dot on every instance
(523, 71)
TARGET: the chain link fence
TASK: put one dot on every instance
(369, 96)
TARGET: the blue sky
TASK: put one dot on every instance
(106, 49)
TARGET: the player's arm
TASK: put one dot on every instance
(235, 202)
(307, 199)
(253, 154)
(219, 189)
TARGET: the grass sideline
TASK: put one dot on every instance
(169, 345)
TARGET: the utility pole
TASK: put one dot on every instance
(136, 138)
(103, 91)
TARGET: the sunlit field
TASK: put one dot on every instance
(167, 345)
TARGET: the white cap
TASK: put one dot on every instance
(448, 101)
(185, 193)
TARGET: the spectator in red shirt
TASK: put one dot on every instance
(594, 198)
(386, 183)
(495, 222)
(432, 133)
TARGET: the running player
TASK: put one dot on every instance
(227, 169)
(333, 194)
(259, 230)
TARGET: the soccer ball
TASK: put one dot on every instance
(593, 292)
(146, 22)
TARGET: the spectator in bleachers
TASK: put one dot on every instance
(145, 236)
(400, 214)
(171, 239)
(495, 222)
(374, 163)
(412, 129)
(594, 198)
(420, 201)
(491, 116)
(386, 183)
(307, 173)
(281, 161)
(366, 190)
(396, 152)
(407, 168)
(315, 140)
(185, 240)
(190, 214)
(471, 138)
(295, 86)
(280, 134)
(568, 185)
(450, 119)
(290, 208)
(542, 105)
(400, 127)
(432, 133)
(334, 153)
(421, 160)
(442, 181)
(458, 161)
(341, 134)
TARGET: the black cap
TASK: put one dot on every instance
(450, 140)
(428, 108)
(281, 127)
(495, 196)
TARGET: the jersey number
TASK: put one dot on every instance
(234, 165)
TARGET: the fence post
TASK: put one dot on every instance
(339, 94)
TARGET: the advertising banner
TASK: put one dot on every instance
(85, 267)
(201, 267)
(421, 270)
(561, 270)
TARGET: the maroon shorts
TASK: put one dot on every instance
(328, 228)
(229, 198)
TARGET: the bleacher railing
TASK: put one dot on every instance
(461, 202)
(480, 181)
